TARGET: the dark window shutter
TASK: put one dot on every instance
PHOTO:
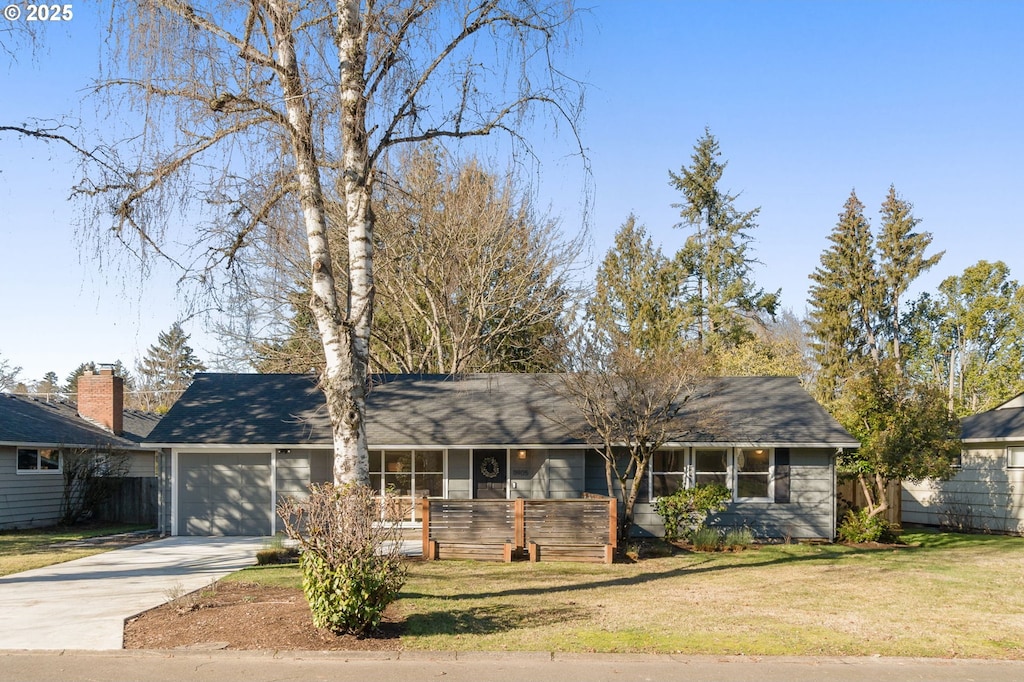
(782, 475)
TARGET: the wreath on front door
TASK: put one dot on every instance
(489, 467)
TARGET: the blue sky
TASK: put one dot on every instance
(807, 99)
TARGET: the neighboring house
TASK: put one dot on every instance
(37, 435)
(235, 444)
(987, 492)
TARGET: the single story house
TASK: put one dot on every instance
(235, 444)
(36, 436)
(987, 492)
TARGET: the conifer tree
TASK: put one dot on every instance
(844, 300)
(71, 385)
(901, 260)
(167, 369)
(904, 427)
(48, 387)
(636, 292)
(720, 295)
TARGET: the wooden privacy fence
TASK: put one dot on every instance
(850, 496)
(499, 530)
(134, 500)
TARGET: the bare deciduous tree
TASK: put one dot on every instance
(633, 403)
(245, 110)
(8, 375)
(469, 277)
(90, 478)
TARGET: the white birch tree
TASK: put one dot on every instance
(247, 108)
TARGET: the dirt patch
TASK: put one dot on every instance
(236, 615)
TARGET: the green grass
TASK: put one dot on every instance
(21, 550)
(943, 596)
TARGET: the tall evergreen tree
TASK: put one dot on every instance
(636, 292)
(904, 427)
(844, 301)
(168, 367)
(721, 295)
(901, 260)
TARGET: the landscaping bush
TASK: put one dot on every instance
(706, 539)
(857, 526)
(350, 556)
(685, 510)
(738, 538)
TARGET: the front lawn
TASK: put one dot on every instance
(946, 595)
(21, 550)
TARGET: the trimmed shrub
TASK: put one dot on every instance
(685, 510)
(857, 526)
(350, 555)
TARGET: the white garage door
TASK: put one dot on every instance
(224, 494)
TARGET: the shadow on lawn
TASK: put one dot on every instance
(486, 620)
(825, 554)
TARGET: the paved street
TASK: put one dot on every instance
(149, 666)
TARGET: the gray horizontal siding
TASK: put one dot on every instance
(141, 464)
(292, 474)
(565, 473)
(529, 477)
(27, 500)
(460, 475)
(164, 511)
(984, 495)
(810, 513)
(33, 499)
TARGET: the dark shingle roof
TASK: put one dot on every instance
(25, 420)
(477, 409)
(1000, 424)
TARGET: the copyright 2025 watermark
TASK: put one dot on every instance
(34, 12)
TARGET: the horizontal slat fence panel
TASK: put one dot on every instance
(559, 530)
(470, 529)
(570, 530)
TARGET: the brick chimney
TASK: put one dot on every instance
(101, 398)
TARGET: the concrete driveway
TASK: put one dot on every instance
(82, 604)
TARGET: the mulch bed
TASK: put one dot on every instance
(235, 615)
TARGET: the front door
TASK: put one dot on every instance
(490, 474)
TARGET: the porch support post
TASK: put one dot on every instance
(613, 522)
(519, 522)
(428, 552)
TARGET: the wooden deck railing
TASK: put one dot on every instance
(563, 530)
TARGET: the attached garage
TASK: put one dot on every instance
(224, 494)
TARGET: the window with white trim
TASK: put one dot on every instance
(408, 474)
(749, 473)
(39, 460)
(668, 472)
(753, 473)
(711, 466)
(1015, 458)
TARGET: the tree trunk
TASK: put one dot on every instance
(609, 470)
(342, 382)
(630, 500)
(346, 381)
(874, 507)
